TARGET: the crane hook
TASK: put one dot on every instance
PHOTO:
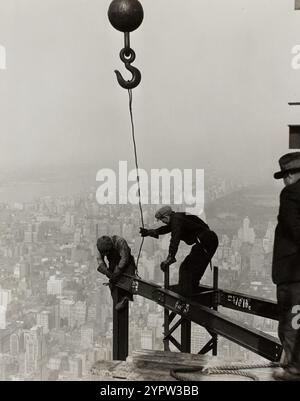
(127, 55)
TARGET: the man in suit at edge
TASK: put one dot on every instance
(286, 266)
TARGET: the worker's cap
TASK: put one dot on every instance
(104, 244)
(163, 212)
(289, 163)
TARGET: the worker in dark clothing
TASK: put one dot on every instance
(286, 266)
(193, 231)
(118, 254)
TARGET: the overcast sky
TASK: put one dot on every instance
(217, 78)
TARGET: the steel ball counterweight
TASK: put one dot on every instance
(126, 15)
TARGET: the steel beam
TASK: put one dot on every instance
(247, 304)
(254, 340)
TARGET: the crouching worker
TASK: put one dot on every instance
(193, 231)
(118, 255)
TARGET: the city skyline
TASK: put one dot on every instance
(55, 314)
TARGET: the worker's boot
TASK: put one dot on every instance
(287, 374)
(121, 305)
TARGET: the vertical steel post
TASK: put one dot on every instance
(166, 312)
(215, 307)
(186, 327)
(120, 327)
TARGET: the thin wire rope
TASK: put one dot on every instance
(137, 172)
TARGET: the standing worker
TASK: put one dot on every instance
(193, 231)
(286, 265)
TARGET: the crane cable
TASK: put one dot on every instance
(137, 174)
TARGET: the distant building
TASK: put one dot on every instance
(257, 256)
(77, 236)
(5, 297)
(147, 339)
(199, 338)
(80, 310)
(67, 311)
(246, 233)
(43, 320)
(268, 240)
(14, 344)
(33, 343)
(55, 286)
(92, 313)
(2, 318)
(75, 366)
(22, 270)
(69, 220)
(87, 336)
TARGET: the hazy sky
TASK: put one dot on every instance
(217, 77)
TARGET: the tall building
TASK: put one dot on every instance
(80, 310)
(147, 339)
(268, 240)
(199, 338)
(54, 316)
(257, 256)
(5, 297)
(43, 320)
(92, 313)
(77, 236)
(55, 286)
(87, 336)
(246, 233)
(69, 220)
(75, 366)
(34, 344)
(21, 270)
(67, 311)
(2, 318)
(14, 344)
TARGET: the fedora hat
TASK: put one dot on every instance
(288, 163)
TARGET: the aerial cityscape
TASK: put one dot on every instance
(55, 310)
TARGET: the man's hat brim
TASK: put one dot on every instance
(279, 175)
(282, 173)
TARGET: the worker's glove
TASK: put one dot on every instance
(115, 276)
(102, 268)
(148, 233)
(166, 263)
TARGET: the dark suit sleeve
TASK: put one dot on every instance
(289, 213)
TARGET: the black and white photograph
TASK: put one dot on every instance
(149, 193)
